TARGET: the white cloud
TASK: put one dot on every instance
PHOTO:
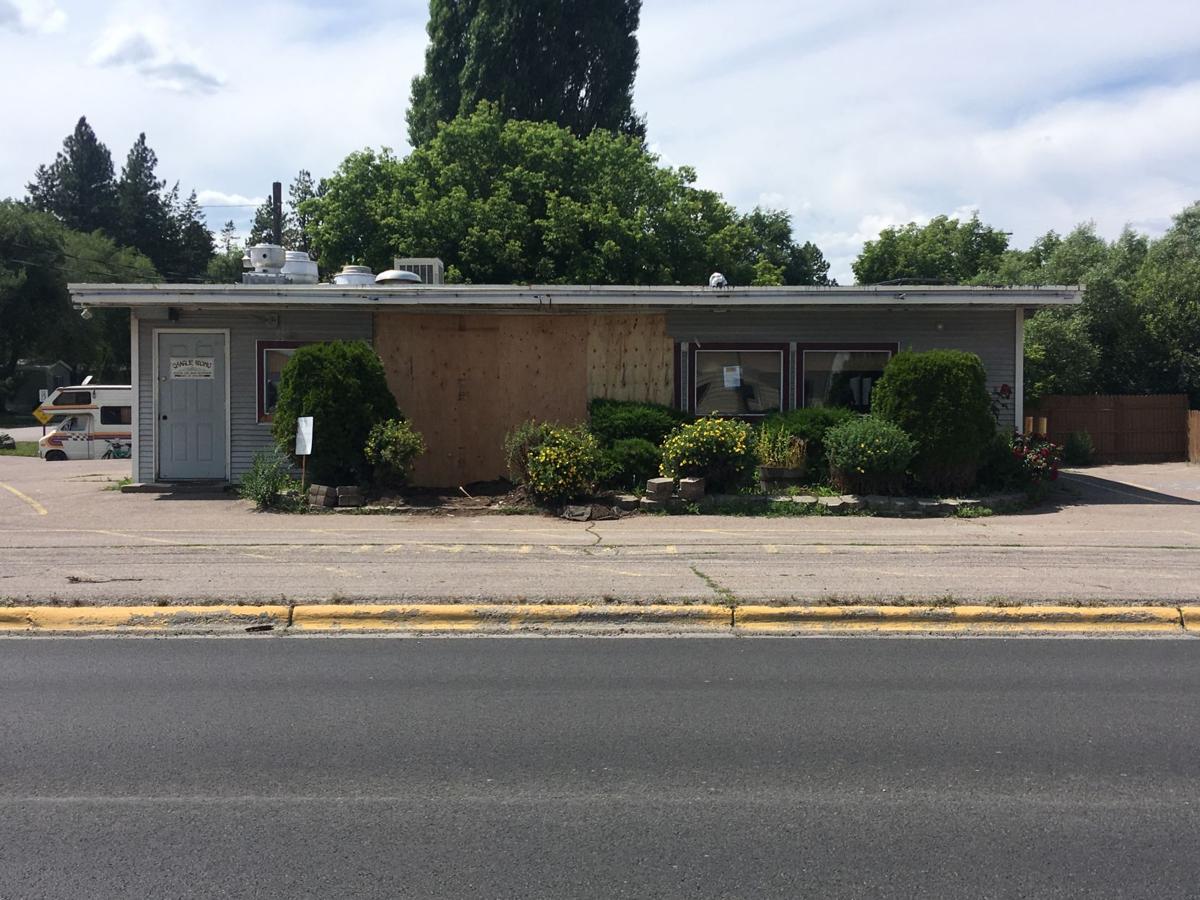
(32, 16)
(221, 199)
(147, 50)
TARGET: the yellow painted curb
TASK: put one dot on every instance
(1191, 618)
(956, 618)
(497, 617)
(139, 618)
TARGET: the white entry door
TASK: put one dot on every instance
(191, 410)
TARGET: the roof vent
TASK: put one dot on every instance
(300, 267)
(398, 276)
(264, 259)
(717, 280)
(429, 268)
(354, 275)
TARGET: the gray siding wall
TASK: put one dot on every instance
(989, 333)
(246, 434)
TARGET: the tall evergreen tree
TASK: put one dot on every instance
(143, 221)
(194, 250)
(78, 187)
(301, 190)
(571, 62)
(262, 229)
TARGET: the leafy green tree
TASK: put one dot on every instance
(1060, 355)
(78, 187)
(569, 62)
(1168, 294)
(33, 291)
(944, 250)
(509, 201)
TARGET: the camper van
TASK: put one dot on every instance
(87, 421)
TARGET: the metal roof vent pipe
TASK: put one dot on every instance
(300, 267)
(264, 259)
(398, 277)
(354, 275)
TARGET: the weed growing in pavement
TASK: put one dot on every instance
(117, 485)
(973, 512)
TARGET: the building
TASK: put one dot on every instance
(467, 362)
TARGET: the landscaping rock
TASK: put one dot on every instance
(850, 502)
(600, 512)
(577, 513)
(805, 499)
(691, 488)
(649, 504)
(875, 501)
(350, 495)
(660, 488)
(626, 501)
(833, 504)
(7, 442)
(931, 507)
(322, 495)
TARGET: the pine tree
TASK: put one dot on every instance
(142, 217)
(195, 240)
(262, 230)
(78, 187)
(296, 231)
(228, 241)
(571, 62)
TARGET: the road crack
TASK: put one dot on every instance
(724, 593)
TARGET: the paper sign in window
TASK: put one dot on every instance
(733, 376)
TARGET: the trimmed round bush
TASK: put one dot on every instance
(868, 456)
(392, 447)
(341, 384)
(940, 399)
(617, 420)
(564, 465)
(719, 450)
(629, 462)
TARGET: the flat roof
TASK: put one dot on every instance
(548, 296)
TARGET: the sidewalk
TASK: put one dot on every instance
(1131, 535)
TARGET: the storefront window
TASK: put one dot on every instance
(272, 357)
(842, 377)
(738, 382)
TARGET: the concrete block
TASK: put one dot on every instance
(691, 488)
(649, 504)
(322, 495)
(833, 504)
(805, 499)
(851, 502)
(349, 495)
(626, 501)
(660, 488)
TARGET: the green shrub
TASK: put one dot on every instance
(1079, 449)
(341, 384)
(269, 482)
(392, 446)
(564, 465)
(1000, 469)
(629, 462)
(940, 399)
(809, 424)
(616, 420)
(868, 455)
(518, 444)
(719, 450)
(776, 447)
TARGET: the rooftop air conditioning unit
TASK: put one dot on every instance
(429, 268)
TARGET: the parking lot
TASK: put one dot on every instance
(1112, 534)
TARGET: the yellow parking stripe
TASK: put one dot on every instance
(37, 507)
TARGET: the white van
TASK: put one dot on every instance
(87, 421)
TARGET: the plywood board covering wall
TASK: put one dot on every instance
(465, 380)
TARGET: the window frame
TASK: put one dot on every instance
(105, 407)
(261, 348)
(891, 347)
(785, 380)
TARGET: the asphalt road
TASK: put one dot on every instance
(554, 768)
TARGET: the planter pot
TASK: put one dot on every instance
(775, 478)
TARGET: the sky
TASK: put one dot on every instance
(852, 115)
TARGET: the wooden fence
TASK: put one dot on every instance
(1125, 429)
(1194, 435)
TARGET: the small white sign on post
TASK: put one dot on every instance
(304, 431)
(304, 434)
(42, 395)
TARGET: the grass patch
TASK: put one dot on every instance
(974, 512)
(24, 448)
(117, 485)
(773, 509)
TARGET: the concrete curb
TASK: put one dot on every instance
(958, 618)
(578, 618)
(523, 617)
(141, 618)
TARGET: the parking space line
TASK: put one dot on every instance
(37, 507)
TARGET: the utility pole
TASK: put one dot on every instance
(277, 211)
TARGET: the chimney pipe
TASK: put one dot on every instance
(277, 211)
